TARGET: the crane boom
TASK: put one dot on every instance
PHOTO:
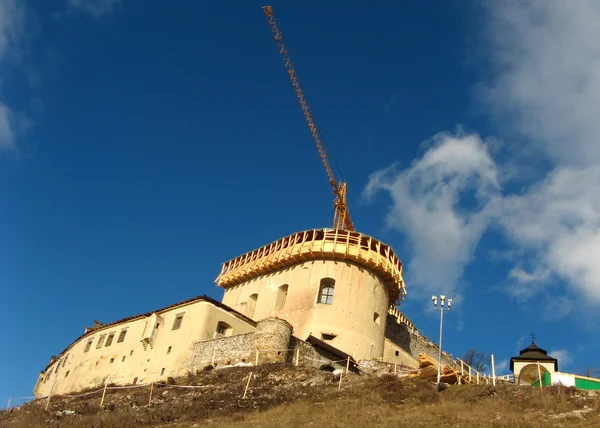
(342, 216)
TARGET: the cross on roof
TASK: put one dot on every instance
(532, 337)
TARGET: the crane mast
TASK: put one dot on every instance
(341, 219)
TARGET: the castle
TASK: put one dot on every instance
(319, 297)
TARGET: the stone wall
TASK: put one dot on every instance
(222, 351)
(274, 343)
(413, 342)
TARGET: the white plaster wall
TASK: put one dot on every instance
(131, 360)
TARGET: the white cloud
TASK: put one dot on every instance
(96, 8)
(426, 206)
(562, 355)
(546, 78)
(545, 89)
(559, 219)
(501, 366)
(11, 19)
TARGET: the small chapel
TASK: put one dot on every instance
(531, 364)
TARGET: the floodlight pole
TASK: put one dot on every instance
(442, 299)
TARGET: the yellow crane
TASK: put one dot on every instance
(341, 219)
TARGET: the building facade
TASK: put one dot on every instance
(325, 294)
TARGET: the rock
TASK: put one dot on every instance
(164, 393)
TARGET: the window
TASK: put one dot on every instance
(328, 336)
(88, 345)
(326, 291)
(112, 360)
(376, 318)
(177, 322)
(397, 353)
(123, 359)
(109, 339)
(281, 297)
(122, 335)
(67, 373)
(162, 372)
(169, 350)
(131, 353)
(100, 341)
(251, 306)
(224, 329)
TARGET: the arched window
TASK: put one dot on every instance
(326, 291)
(281, 297)
(376, 318)
(251, 305)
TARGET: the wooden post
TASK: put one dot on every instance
(247, 385)
(470, 376)
(8, 405)
(477, 378)
(347, 364)
(493, 371)
(395, 369)
(104, 392)
(462, 369)
(151, 389)
(340, 384)
(256, 358)
(51, 389)
(297, 356)
(539, 374)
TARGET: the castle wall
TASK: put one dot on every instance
(272, 338)
(154, 347)
(412, 342)
(355, 320)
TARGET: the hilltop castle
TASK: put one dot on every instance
(318, 297)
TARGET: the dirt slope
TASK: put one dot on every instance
(286, 396)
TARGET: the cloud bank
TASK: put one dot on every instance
(544, 88)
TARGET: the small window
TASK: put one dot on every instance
(281, 297)
(112, 360)
(397, 353)
(162, 372)
(177, 322)
(123, 359)
(326, 291)
(251, 305)
(131, 353)
(328, 336)
(376, 318)
(224, 329)
(169, 350)
(67, 373)
(122, 335)
(100, 341)
(88, 345)
(109, 339)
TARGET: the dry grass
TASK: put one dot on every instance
(288, 397)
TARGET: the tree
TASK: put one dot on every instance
(590, 372)
(479, 360)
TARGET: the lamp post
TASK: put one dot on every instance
(441, 308)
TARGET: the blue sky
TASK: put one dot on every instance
(141, 145)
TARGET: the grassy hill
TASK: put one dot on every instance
(296, 397)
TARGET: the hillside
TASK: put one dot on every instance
(287, 396)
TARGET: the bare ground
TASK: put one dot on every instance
(295, 397)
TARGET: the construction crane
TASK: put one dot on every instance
(341, 218)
